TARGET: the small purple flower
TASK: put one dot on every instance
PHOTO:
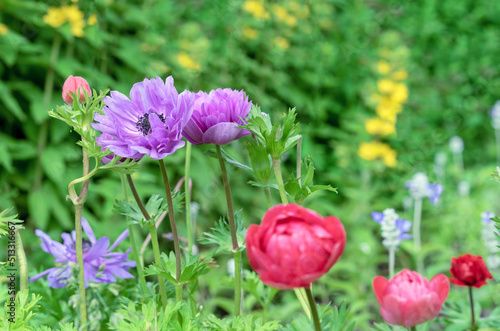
(100, 264)
(217, 117)
(485, 216)
(150, 122)
(404, 226)
(420, 188)
(394, 229)
(435, 191)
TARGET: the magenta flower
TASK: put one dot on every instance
(150, 122)
(217, 117)
(100, 264)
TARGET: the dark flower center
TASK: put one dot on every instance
(143, 123)
(86, 245)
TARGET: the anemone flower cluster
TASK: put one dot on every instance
(100, 264)
(156, 117)
(420, 188)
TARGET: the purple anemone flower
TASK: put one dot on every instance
(100, 264)
(217, 117)
(150, 122)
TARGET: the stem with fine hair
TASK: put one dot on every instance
(187, 193)
(473, 318)
(234, 239)
(417, 216)
(154, 238)
(79, 261)
(300, 293)
(133, 242)
(22, 261)
(177, 248)
(314, 310)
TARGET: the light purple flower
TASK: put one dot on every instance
(485, 216)
(150, 122)
(420, 188)
(100, 264)
(394, 229)
(217, 117)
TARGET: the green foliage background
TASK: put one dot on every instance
(326, 73)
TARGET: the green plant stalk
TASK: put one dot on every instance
(234, 239)
(47, 96)
(154, 239)
(473, 318)
(392, 253)
(417, 217)
(413, 328)
(79, 261)
(314, 310)
(22, 262)
(133, 242)
(299, 161)
(171, 216)
(269, 198)
(187, 195)
(300, 293)
(497, 139)
(279, 180)
(156, 253)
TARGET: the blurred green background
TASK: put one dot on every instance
(326, 58)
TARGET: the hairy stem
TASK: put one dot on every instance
(79, 261)
(314, 310)
(234, 239)
(187, 195)
(133, 242)
(279, 180)
(22, 262)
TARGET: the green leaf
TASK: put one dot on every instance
(220, 235)
(53, 163)
(38, 206)
(5, 157)
(10, 102)
(5, 219)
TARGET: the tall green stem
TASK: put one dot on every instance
(392, 253)
(413, 328)
(79, 261)
(299, 161)
(133, 242)
(234, 239)
(314, 310)
(22, 261)
(187, 194)
(417, 216)
(279, 179)
(177, 248)
(154, 239)
(300, 293)
(473, 318)
(497, 139)
(269, 199)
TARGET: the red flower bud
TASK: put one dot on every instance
(75, 85)
(469, 270)
(409, 299)
(294, 246)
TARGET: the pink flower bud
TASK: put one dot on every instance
(75, 85)
(409, 299)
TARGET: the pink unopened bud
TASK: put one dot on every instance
(76, 85)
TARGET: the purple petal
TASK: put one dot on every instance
(88, 230)
(98, 249)
(435, 192)
(377, 216)
(119, 240)
(223, 133)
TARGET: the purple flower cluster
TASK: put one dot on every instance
(155, 119)
(100, 264)
(420, 188)
(394, 229)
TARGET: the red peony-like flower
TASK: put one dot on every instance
(469, 270)
(294, 246)
(75, 85)
(409, 299)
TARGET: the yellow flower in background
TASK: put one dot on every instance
(92, 20)
(282, 43)
(385, 86)
(54, 17)
(256, 8)
(187, 62)
(400, 75)
(280, 12)
(400, 93)
(291, 20)
(379, 126)
(374, 149)
(249, 33)
(3, 29)
(383, 67)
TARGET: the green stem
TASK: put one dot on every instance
(299, 161)
(187, 194)
(473, 317)
(314, 310)
(392, 254)
(79, 261)
(133, 242)
(22, 261)
(300, 293)
(156, 253)
(417, 216)
(269, 199)
(154, 238)
(497, 139)
(279, 180)
(171, 216)
(413, 328)
(234, 239)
